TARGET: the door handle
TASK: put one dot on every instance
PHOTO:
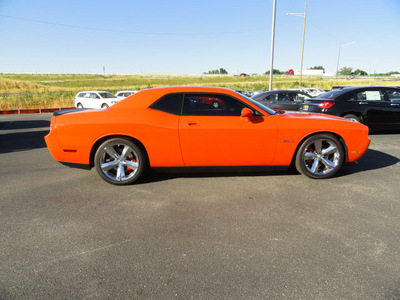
(362, 102)
(192, 123)
(394, 104)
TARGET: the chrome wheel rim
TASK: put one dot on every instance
(353, 119)
(321, 156)
(119, 162)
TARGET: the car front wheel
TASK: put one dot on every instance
(79, 105)
(105, 105)
(320, 156)
(119, 161)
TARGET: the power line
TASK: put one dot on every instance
(113, 30)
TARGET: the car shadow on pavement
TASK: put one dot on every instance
(26, 124)
(381, 132)
(371, 160)
(13, 142)
(23, 135)
(156, 176)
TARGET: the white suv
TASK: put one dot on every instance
(95, 99)
(123, 94)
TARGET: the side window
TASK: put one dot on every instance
(211, 105)
(300, 97)
(393, 95)
(94, 96)
(283, 97)
(273, 97)
(370, 96)
(170, 103)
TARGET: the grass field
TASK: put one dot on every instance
(19, 91)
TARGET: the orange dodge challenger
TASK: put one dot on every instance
(179, 128)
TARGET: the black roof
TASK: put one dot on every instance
(277, 91)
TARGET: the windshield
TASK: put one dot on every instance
(259, 105)
(107, 95)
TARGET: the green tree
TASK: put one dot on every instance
(274, 71)
(345, 71)
(318, 68)
(360, 72)
(220, 71)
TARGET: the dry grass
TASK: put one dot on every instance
(52, 89)
(9, 86)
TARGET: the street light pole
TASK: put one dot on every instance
(340, 47)
(271, 70)
(304, 35)
(302, 48)
(337, 66)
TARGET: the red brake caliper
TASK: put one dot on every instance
(310, 151)
(129, 169)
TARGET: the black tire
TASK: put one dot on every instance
(104, 105)
(79, 105)
(320, 156)
(119, 161)
(352, 118)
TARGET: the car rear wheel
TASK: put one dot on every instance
(352, 118)
(79, 105)
(119, 161)
(104, 105)
(320, 156)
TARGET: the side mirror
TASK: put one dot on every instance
(247, 113)
(280, 111)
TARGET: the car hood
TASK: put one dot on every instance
(302, 115)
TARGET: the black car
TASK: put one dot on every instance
(282, 99)
(376, 107)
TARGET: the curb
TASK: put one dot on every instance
(31, 111)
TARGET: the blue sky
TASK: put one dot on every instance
(195, 36)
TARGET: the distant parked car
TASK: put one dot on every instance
(246, 93)
(124, 94)
(376, 107)
(95, 99)
(282, 99)
(313, 92)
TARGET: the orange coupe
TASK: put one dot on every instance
(183, 127)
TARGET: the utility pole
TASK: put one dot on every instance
(271, 71)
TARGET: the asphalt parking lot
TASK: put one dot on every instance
(65, 233)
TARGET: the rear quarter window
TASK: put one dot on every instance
(169, 103)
